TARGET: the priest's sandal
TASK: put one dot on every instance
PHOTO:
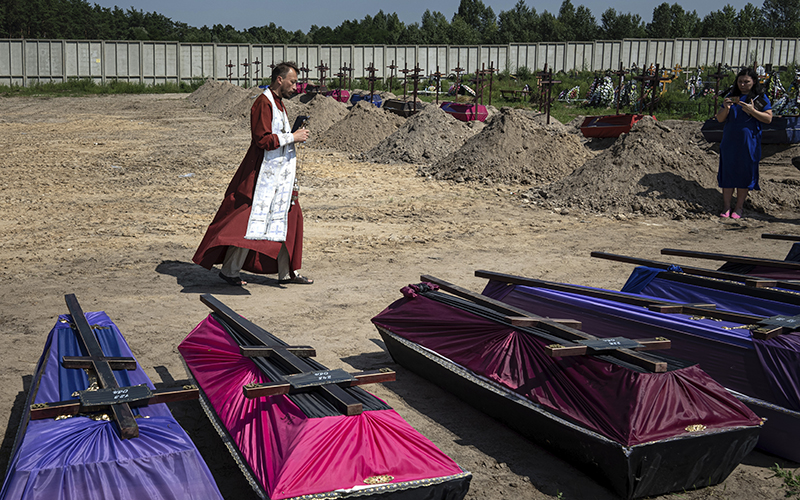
(298, 280)
(232, 281)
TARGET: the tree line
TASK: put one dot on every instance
(473, 23)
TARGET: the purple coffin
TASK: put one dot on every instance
(83, 458)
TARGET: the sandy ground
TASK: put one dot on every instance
(108, 197)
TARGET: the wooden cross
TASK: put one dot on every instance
(784, 237)
(118, 400)
(760, 326)
(305, 72)
(405, 72)
(303, 377)
(322, 68)
(719, 75)
(391, 67)
(547, 89)
(621, 74)
(246, 67)
(256, 63)
(438, 77)
(568, 341)
(349, 71)
(747, 280)
(371, 79)
(655, 79)
(230, 66)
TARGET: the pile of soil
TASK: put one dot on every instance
(659, 168)
(514, 148)
(425, 137)
(361, 130)
(224, 98)
(233, 102)
(322, 111)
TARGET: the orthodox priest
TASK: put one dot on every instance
(259, 226)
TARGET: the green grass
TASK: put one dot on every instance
(791, 481)
(87, 86)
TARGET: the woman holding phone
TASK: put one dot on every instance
(743, 111)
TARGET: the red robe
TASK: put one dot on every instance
(230, 223)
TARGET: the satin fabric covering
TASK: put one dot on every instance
(779, 358)
(80, 458)
(621, 404)
(764, 369)
(290, 454)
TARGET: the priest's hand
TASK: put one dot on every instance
(301, 135)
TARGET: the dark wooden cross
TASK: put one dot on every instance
(621, 74)
(569, 340)
(438, 76)
(745, 279)
(305, 72)
(322, 68)
(256, 63)
(371, 69)
(405, 72)
(761, 327)
(719, 75)
(458, 72)
(391, 67)
(349, 71)
(110, 396)
(302, 376)
(230, 67)
(784, 237)
(547, 90)
(246, 67)
(654, 80)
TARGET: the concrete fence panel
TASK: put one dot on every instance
(24, 62)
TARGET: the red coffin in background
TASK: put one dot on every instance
(608, 125)
(466, 111)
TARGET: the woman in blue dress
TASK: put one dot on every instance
(743, 111)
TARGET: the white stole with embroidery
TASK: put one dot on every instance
(272, 198)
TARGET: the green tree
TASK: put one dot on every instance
(480, 18)
(518, 24)
(720, 23)
(673, 22)
(435, 28)
(750, 22)
(782, 17)
(615, 26)
(461, 33)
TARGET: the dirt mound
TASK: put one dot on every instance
(322, 111)
(361, 130)
(658, 168)
(222, 98)
(424, 138)
(513, 148)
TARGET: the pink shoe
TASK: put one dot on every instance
(725, 214)
(736, 216)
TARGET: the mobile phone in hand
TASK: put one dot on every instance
(299, 123)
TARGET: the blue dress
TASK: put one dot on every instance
(740, 150)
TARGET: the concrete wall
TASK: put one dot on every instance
(29, 61)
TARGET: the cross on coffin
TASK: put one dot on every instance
(303, 376)
(762, 328)
(117, 400)
(571, 341)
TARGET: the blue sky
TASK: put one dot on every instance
(301, 14)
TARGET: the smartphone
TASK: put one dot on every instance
(735, 99)
(299, 123)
